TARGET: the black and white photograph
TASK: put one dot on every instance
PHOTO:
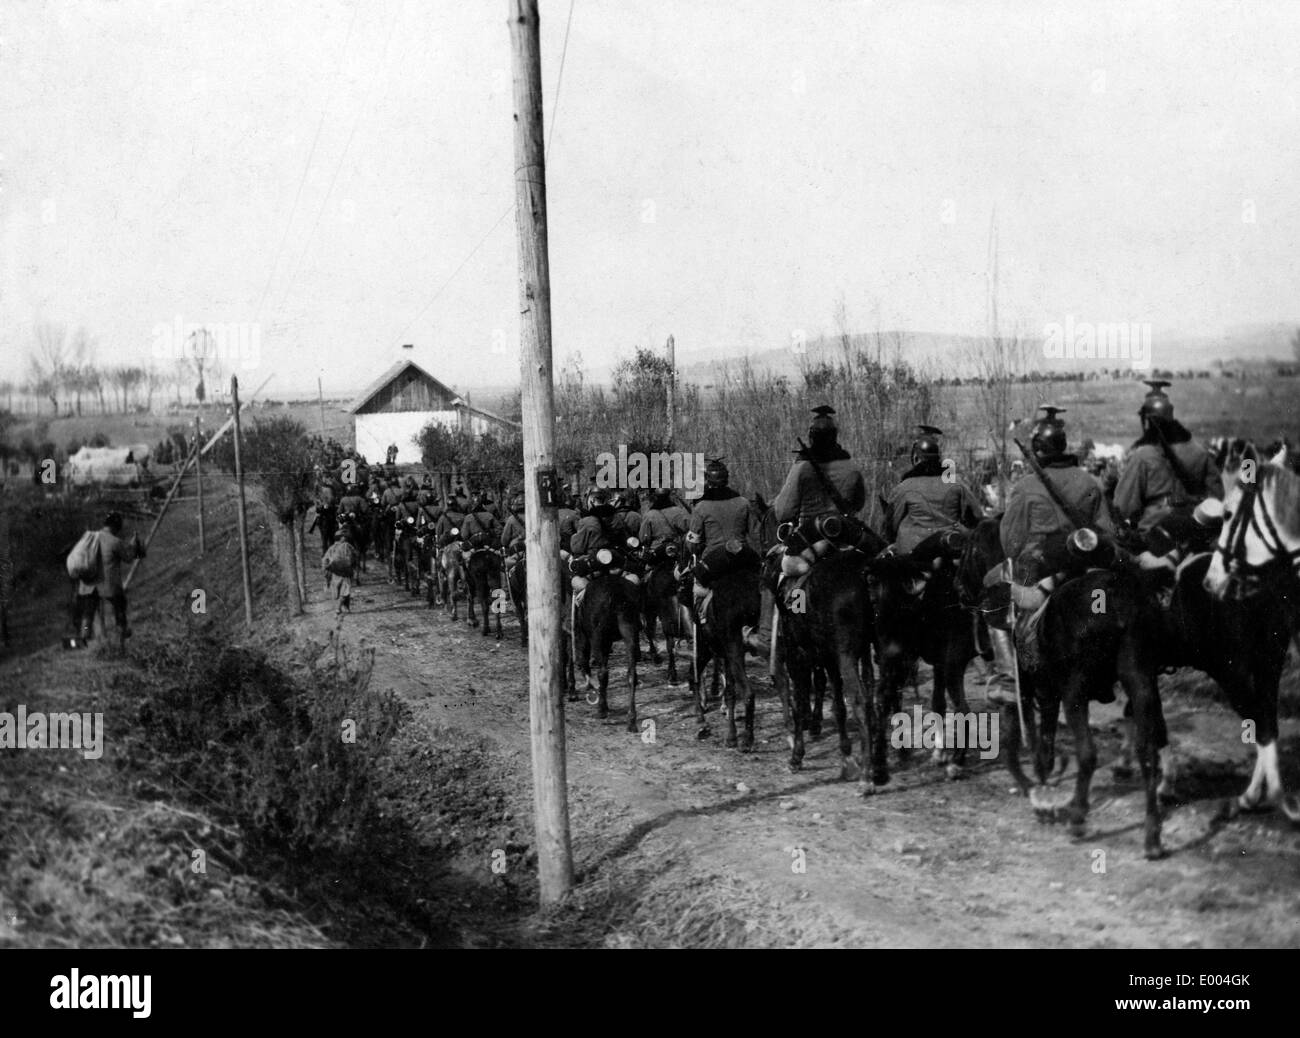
(611, 474)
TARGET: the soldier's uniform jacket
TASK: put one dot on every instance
(405, 510)
(720, 515)
(662, 526)
(1148, 489)
(512, 530)
(568, 525)
(451, 519)
(923, 504)
(630, 520)
(481, 524)
(325, 496)
(803, 497)
(1032, 516)
(591, 534)
(428, 515)
(353, 503)
(390, 498)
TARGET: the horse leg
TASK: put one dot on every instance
(952, 671)
(668, 621)
(796, 682)
(738, 683)
(860, 698)
(813, 714)
(838, 706)
(628, 629)
(1075, 688)
(582, 644)
(705, 653)
(1015, 736)
(893, 674)
(602, 676)
(649, 613)
(729, 690)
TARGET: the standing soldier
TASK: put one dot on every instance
(1039, 517)
(927, 500)
(113, 551)
(1166, 471)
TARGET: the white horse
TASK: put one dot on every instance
(1260, 536)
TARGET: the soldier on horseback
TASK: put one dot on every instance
(927, 500)
(1051, 525)
(598, 540)
(568, 521)
(722, 534)
(481, 528)
(627, 511)
(1166, 471)
(664, 524)
(817, 506)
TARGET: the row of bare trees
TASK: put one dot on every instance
(63, 368)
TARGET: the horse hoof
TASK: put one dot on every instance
(880, 778)
(747, 744)
(1078, 828)
(703, 733)
(866, 789)
(1153, 852)
(795, 766)
(632, 726)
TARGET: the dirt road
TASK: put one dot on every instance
(704, 838)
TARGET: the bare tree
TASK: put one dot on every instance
(1295, 345)
(48, 362)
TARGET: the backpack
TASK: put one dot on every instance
(84, 561)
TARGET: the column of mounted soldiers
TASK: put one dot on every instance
(1057, 521)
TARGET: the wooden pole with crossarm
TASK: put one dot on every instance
(541, 516)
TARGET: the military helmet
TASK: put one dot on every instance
(926, 446)
(716, 474)
(1048, 439)
(598, 502)
(113, 520)
(1157, 404)
(823, 431)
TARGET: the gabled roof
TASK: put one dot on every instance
(399, 367)
(460, 404)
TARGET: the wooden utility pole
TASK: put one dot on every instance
(672, 388)
(541, 518)
(198, 475)
(243, 519)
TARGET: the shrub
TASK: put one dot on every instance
(266, 750)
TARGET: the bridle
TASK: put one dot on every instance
(1252, 514)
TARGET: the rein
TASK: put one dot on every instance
(1253, 514)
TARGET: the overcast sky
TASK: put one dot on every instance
(721, 171)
